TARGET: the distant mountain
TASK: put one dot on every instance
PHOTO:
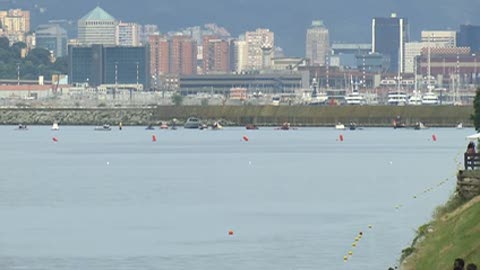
(348, 20)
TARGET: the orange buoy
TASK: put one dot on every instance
(154, 138)
(341, 137)
(55, 139)
(230, 232)
(434, 137)
(245, 138)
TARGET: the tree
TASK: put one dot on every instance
(39, 56)
(476, 114)
(177, 99)
(17, 48)
(4, 43)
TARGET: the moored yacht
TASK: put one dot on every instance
(430, 98)
(317, 98)
(415, 99)
(397, 98)
(355, 99)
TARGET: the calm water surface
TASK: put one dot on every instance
(294, 199)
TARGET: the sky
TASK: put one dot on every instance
(347, 20)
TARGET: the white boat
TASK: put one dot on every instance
(460, 125)
(397, 98)
(340, 126)
(415, 99)
(355, 99)
(55, 126)
(217, 126)
(430, 98)
(420, 125)
(275, 100)
(316, 97)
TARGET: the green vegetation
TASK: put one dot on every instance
(177, 99)
(454, 233)
(476, 115)
(36, 62)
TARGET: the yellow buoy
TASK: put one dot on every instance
(354, 244)
(370, 226)
(350, 253)
(345, 258)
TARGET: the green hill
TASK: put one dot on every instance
(455, 234)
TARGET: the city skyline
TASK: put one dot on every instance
(288, 21)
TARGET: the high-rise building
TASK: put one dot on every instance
(53, 38)
(255, 41)
(159, 55)
(317, 44)
(146, 31)
(128, 34)
(69, 25)
(440, 39)
(97, 27)
(389, 36)
(15, 24)
(216, 55)
(98, 65)
(469, 36)
(412, 51)
(183, 55)
(240, 55)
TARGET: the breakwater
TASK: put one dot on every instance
(433, 116)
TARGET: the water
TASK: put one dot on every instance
(294, 199)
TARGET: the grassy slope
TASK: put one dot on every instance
(455, 235)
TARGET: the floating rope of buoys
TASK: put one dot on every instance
(355, 244)
(154, 138)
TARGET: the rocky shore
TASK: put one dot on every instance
(432, 116)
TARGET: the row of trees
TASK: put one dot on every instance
(35, 63)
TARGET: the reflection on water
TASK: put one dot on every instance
(295, 199)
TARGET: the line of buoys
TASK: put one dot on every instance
(55, 139)
(354, 244)
(245, 138)
(154, 138)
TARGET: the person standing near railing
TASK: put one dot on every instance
(471, 148)
(469, 156)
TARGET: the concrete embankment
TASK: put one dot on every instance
(433, 116)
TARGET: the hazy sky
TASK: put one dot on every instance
(347, 20)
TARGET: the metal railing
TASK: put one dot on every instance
(472, 161)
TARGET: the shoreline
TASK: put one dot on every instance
(267, 116)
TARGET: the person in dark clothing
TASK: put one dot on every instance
(471, 266)
(459, 264)
(471, 148)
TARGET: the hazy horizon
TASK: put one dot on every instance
(347, 20)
